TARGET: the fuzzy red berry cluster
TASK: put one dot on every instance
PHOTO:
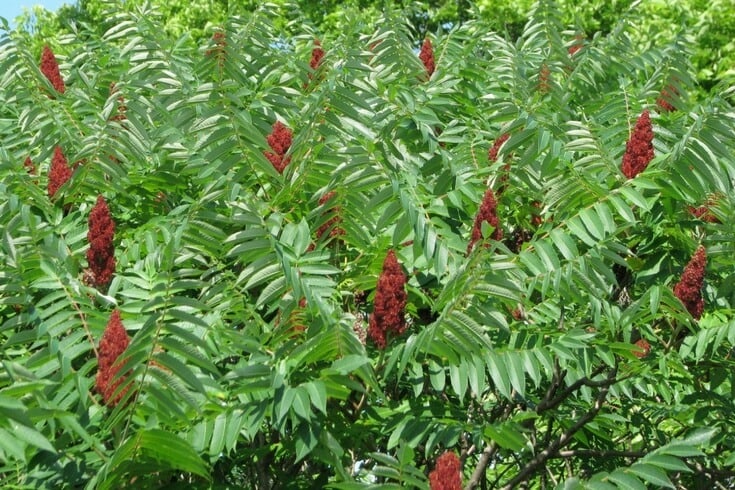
(639, 149)
(488, 213)
(280, 141)
(447, 473)
(59, 172)
(426, 55)
(492, 153)
(121, 107)
(689, 287)
(50, 68)
(114, 342)
(388, 318)
(316, 55)
(101, 252)
(330, 224)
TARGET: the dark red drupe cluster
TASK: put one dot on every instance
(316, 55)
(389, 306)
(664, 100)
(447, 474)
(29, 166)
(488, 213)
(689, 288)
(279, 141)
(639, 149)
(50, 68)
(331, 224)
(492, 153)
(121, 107)
(114, 342)
(643, 348)
(543, 78)
(59, 172)
(101, 252)
(427, 56)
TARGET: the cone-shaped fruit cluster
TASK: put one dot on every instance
(639, 149)
(114, 342)
(101, 252)
(59, 172)
(427, 56)
(447, 473)
(279, 141)
(689, 288)
(488, 213)
(50, 68)
(388, 316)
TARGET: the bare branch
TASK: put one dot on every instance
(486, 456)
(541, 458)
(598, 453)
(479, 473)
(547, 403)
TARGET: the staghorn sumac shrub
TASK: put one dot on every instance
(252, 356)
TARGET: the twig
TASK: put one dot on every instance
(479, 473)
(486, 456)
(541, 458)
(548, 403)
(598, 453)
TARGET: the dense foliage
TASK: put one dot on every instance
(710, 24)
(272, 262)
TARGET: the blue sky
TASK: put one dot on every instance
(10, 9)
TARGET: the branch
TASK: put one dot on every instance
(598, 453)
(486, 456)
(479, 473)
(541, 458)
(547, 403)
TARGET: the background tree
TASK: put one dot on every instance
(710, 23)
(560, 349)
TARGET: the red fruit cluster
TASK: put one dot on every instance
(59, 172)
(543, 78)
(279, 141)
(664, 100)
(218, 51)
(487, 213)
(333, 221)
(28, 165)
(121, 107)
(427, 56)
(101, 252)
(388, 316)
(316, 55)
(643, 348)
(492, 153)
(536, 218)
(578, 43)
(639, 149)
(114, 342)
(704, 212)
(689, 288)
(447, 473)
(50, 68)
